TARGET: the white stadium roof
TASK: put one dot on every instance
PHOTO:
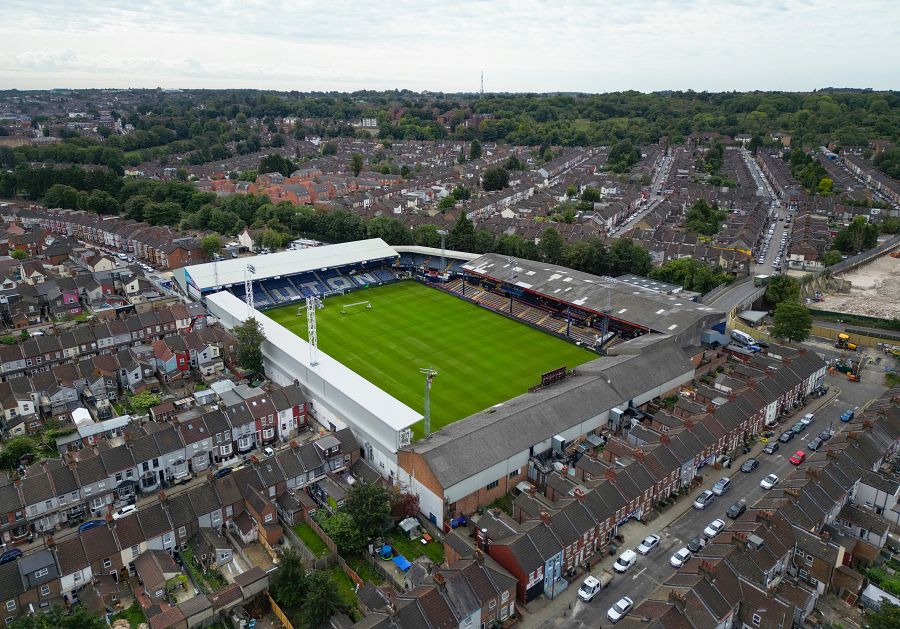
(228, 272)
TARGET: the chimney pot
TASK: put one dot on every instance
(545, 517)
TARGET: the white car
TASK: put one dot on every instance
(715, 527)
(650, 542)
(618, 611)
(268, 451)
(680, 558)
(769, 481)
(807, 419)
(121, 513)
(625, 561)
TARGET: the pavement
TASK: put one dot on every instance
(679, 522)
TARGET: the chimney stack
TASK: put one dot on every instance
(664, 439)
(439, 580)
(677, 600)
(579, 495)
(479, 555)
(162, 496)
(545, 518)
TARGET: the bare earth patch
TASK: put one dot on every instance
(875, 291)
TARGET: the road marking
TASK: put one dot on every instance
(638, 574)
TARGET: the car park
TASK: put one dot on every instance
(769, 481)
(714, 528)
(814, 444)
(650, 542)
(121, 513)
(807, 419)
(722, 486)
(621, 608)
(749, 465)
(704, 499)
(786, 436)
(679, 558)
(771, 447)
(625, 561)
(797, 457)
(735, 510)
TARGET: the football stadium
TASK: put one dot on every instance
(488, 328)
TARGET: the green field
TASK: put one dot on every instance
(482, 358)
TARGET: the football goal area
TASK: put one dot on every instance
(357, 306)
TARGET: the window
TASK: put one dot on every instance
(107, 563)
(97, 503)
(167, 538)
(101, 485)
(756, 620)
(10, 605)
(268, 518)
(77, 576)
(514, 473)
(48, 504)
(182, 531)
(504, 597)
(224, 556)
(118, 477)
(492, 604)
(41, 573)
(493, 484)
(135, 551)
(45, 590)
(216, 516)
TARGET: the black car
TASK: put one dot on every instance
(696, 544)
(735, 510)
(225, 471)
(798, 428)
(825, 435)
(771, 447)
(749, 465)
(814, 444)
(786, 436)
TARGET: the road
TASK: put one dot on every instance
(660, 175)
(651, 571)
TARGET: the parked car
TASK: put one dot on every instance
(771, 447)
(807, 419)
(722, 486)
(221, 473)
(10, 555)
(797, 457)
(847, 416)
(87, 526)
(650, 542)
(735, 510)
(268, 451)
(121, 513)
(769, 481)
(591, 586)
(815, 443)
(798, 428)
(704, 499)
(714, 528)
(625, 561)
(696, 544)
(825, 435)
(679, 558)
(749, 465)
(786, 436)
(618, 611)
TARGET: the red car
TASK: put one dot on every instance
(798, 457)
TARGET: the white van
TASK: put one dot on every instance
(742, 337)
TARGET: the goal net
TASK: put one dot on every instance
(356, 307)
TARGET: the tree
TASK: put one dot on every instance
(142, 402)
(343, 531)
(475, 150)
(494, 179)
(571, 192)
(591, 195)
(890, 225)
(276, 163)
(886, 617)
(356, 164)
(403, 504)
(447, 203)
(19, 254)
(860, 235)
(211, 244)
(705, 219)
(627, 257)
(102, 202)
(249, 338)
(782, 288)
(484, 241)
(426, 235)
(8, 339)
(329, 148)
(513, 163)
(690, 273)
(792, 321)
(404, 171)
(832, 257)
(369, 504)
(322, 601)
(825, 186)
(14, 449)
(462, 236)
(289, 585)
(551, 246)
(57, 618)
(389, 229)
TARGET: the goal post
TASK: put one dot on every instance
(346, 308)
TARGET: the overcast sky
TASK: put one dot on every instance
(522, 45)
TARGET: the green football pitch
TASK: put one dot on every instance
(482, 358)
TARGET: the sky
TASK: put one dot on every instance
(424, 45)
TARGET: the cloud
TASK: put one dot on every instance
(527, 45)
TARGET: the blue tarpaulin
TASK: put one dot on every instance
(402, 563)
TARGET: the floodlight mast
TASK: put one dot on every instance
(429, 378)
(311, 304)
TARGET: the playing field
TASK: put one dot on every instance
(481, 357)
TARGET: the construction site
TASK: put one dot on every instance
(872, 290)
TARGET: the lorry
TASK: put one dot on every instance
(761, 280)
(843, 342)
(592, 585)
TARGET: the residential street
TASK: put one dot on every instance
(681, 522)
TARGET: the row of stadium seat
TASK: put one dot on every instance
(287, 289)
